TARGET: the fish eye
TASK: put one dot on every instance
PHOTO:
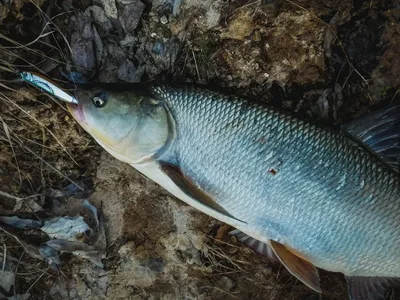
(99, 100)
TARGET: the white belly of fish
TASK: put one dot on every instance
(152, 170)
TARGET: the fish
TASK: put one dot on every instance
(311, 196)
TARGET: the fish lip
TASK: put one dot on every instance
(77, 112)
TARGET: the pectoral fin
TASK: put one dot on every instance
(370, 288)
(191, 189)
(299, 267)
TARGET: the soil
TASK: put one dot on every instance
(328, 61)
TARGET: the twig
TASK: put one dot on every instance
(29, 249)
(221, 290)
(43, 181)
(184, 63)
(4, 194)
(7, 70)
(4, 97)
(33, 272)
(50, 19)
(48, 164)
(52, 148)
(42, 35)
(7, 195)
(248, 4)
(34, 51)
(21, 58)
(16, 270)
(340, 72)
(4, 260)
(395, 94)
(225, 243)
(53, 168)
(7, 132)
(36, 282)
(7, 87)
(347, 78)
(195, 62)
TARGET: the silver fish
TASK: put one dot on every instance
(312, 196)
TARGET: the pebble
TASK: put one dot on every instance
(158, 48)
(164, 20)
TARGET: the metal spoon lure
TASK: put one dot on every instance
(48, 86)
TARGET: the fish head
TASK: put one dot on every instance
(129, 124)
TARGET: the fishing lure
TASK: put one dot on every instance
(48, 86)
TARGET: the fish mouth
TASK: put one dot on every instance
(77, 112)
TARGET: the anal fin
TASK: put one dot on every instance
(294, 262)
(370, 288)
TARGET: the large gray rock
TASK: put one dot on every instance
(83, 53)
(130, 15)
(103, 23)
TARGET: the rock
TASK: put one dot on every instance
(83, 54)
(115, 57)
(110, 8)
(163, 6)
(4, 10)
(158, 55)
(103, 23)
(240, 26)
(130, 16)
(128, 41)
(225, 283)
(98, 46)
(364, 34)
(164, 20)
(128, 72)
(108, 72)
(213, 15)
(158, 48)
(156, 264)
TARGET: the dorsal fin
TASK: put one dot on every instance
(380, 131)
(298, 266)
(192, 190)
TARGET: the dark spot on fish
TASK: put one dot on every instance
(273, 171)
(260, 140)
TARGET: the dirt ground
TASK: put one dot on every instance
(326, 60)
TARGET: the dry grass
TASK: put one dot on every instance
(25, 262)
(26, 138)
(220, 261)
(12, 139)
(333, 31)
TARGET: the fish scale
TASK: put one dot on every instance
(220, 146)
